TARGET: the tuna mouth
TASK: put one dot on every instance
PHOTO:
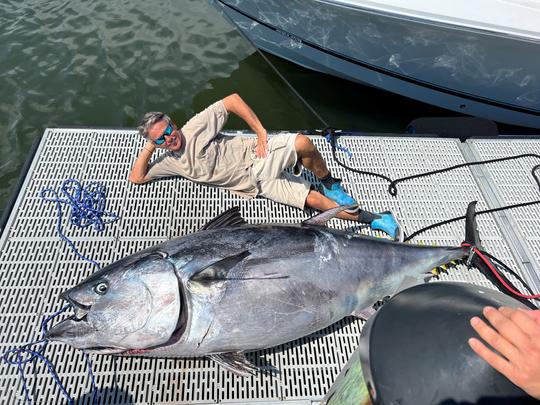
(104, 350)
(73, 330)
(80, 311)
(79, 314)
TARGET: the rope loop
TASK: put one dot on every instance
(392, 189)
(87, 208)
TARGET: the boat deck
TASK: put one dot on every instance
(36, 266)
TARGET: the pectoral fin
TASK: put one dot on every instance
(235, 363)
(219, 270)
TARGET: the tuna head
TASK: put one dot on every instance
(133, 304)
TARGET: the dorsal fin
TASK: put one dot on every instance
(231, 217)
(324, 217)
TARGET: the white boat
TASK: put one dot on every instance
(479, 57)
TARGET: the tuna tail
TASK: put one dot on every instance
(472, 237)
(483, 263)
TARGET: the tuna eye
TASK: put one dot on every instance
(101, 288)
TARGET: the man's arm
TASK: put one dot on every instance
(140, 167)
(236, 105)
(515, 334)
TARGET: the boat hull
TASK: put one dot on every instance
(474, 72)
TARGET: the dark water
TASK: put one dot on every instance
(104, 63)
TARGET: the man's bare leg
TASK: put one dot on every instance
(312, 160)
(310, 157)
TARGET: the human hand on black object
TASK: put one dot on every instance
(515, 335)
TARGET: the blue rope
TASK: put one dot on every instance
(15, 357)
(328, 138)
(87, 208)
(34, 354)
(92, 379)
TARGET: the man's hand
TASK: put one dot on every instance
(149, 147)
(261, 151)
(236, 105)
(515, 334)
(534, 315)
(140, 167)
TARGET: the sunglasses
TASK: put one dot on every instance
(168, 131)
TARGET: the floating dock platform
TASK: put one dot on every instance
(36, 266)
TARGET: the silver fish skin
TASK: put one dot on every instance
(238, 289)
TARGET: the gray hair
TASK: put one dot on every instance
(149, 119)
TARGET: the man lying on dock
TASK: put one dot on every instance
(247, 166)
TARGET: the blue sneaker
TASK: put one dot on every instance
(338, 195)
(389, 225)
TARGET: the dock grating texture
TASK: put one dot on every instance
(514, 184)
(36, 266)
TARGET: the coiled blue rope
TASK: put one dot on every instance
(87, 208)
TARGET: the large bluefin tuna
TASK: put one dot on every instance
(233, 287)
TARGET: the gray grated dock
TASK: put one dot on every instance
(36, 266)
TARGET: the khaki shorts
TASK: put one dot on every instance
(273, 181)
